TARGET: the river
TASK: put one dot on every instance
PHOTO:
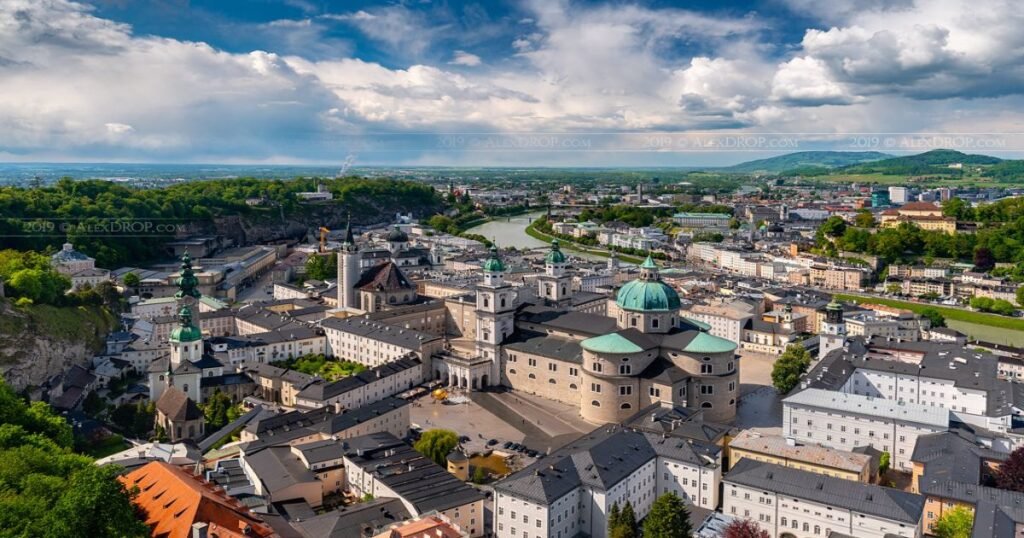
(510, 231)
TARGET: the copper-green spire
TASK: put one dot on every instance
(188, 284)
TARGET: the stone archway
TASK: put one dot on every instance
(464, 383)
(483, 381)
(473, 383)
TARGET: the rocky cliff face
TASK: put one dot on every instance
(37, 342)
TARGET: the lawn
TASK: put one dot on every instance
(977, 318)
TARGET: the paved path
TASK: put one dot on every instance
(550, 433)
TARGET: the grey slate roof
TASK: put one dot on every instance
(355, 520)
(278, 468)
(390, 334)
(564, 349)
(599, 460)
(324, 391)
(870, 499)
(421, 482)
(976, 371)
(952, 456)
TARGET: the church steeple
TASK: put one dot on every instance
(349, 243)
(188, 284)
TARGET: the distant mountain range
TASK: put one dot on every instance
(871, 162)
(801, 159)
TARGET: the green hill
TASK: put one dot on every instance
(805, 160)
(930, 162)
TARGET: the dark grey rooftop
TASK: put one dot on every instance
(413, 477)
(953, 456)
(564, 349)
(355, 521)
(390, 334)
(599, 460)
(870, 499)
(278, 468)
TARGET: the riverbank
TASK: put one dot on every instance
(969, 318)
(537, 234)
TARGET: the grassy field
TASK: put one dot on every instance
(954, 314)
(986, 333)
(931, 181)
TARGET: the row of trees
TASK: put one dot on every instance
(80, 208)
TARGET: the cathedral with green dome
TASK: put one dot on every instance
(636, 352)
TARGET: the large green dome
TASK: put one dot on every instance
(645, 295)
(555, 256)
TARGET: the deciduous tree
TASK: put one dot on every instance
(744, 528)
(437, 444)
(955, 523)
(789, 367)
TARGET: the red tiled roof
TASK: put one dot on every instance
(919, 206)
(173, 499)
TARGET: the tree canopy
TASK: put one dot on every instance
(744, 528)
(437, 444)
(789, 367)
(1010, 474)
(955, 523)
(50, 491)
(668, 518)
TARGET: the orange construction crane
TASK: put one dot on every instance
(323, 239)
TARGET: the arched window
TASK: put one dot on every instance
(531, 376)
(487, 302)
(391, 299)
(706, 405)
(625, 406)
(161, 378)
(503, 302)
(512, 371)
(551, 380)
(595, 403)
(405, 298)
(572, 386)
(184, 388)
(563, 290)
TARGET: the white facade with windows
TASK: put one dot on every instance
(790, 503)
(847, 421)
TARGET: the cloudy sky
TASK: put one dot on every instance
(522, 82)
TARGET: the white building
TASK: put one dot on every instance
(725, 321)
(571, 492)
(848, 421)
(790, 502)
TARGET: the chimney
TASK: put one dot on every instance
(199, 530)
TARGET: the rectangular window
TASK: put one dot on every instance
(625, 390)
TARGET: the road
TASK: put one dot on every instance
(255, 292)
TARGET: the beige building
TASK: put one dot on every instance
(806, 457)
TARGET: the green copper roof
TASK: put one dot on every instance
(186, 334)
(555, 256)
(647, 295)
(648, 263)
(493, 264)
(706, 343)
(610, 343)
(186, 331)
